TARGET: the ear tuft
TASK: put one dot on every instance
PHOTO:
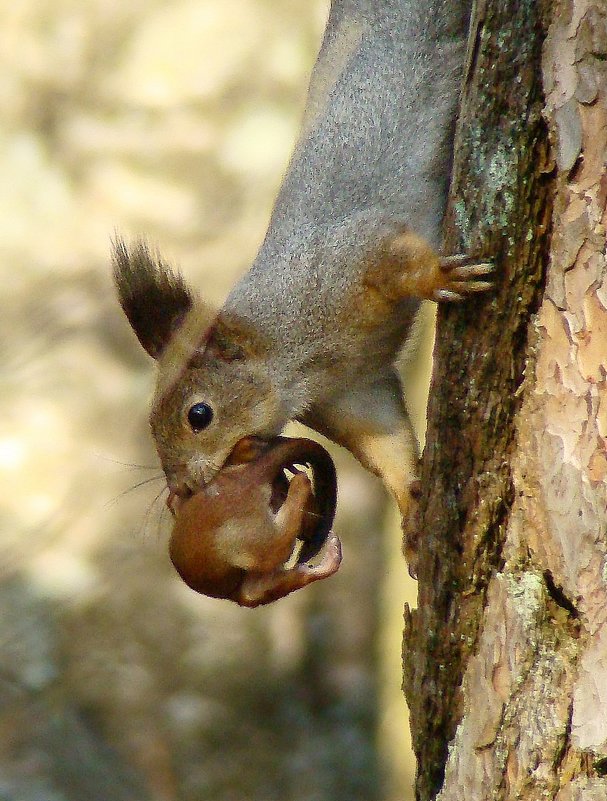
(154, 298)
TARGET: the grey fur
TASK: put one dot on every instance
(377, 157)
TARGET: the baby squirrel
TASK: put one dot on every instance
(233, 537)
(312, 330)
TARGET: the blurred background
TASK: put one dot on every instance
(117, 683)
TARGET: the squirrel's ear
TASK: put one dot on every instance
(154, 298)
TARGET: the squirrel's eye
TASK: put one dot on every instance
(199, 416)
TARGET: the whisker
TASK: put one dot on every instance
(115, 500)
(150, 509)
(126, 464)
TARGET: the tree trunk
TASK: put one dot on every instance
(506, 656)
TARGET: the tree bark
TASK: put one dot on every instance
(506, 656)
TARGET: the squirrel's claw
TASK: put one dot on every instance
(463, 276)
(465, 266)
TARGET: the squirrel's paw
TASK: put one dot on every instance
(258, 589)
(463, 276)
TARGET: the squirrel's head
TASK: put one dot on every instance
(214, 385)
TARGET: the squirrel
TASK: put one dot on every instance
(312, 331)
(233, 537)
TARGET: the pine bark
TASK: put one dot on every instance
(506, 656)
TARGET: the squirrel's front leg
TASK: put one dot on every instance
(372, 422)
(407, 266)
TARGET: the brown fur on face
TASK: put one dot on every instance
(243, 403)
(232, 538)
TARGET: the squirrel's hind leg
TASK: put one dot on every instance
(371, 421)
